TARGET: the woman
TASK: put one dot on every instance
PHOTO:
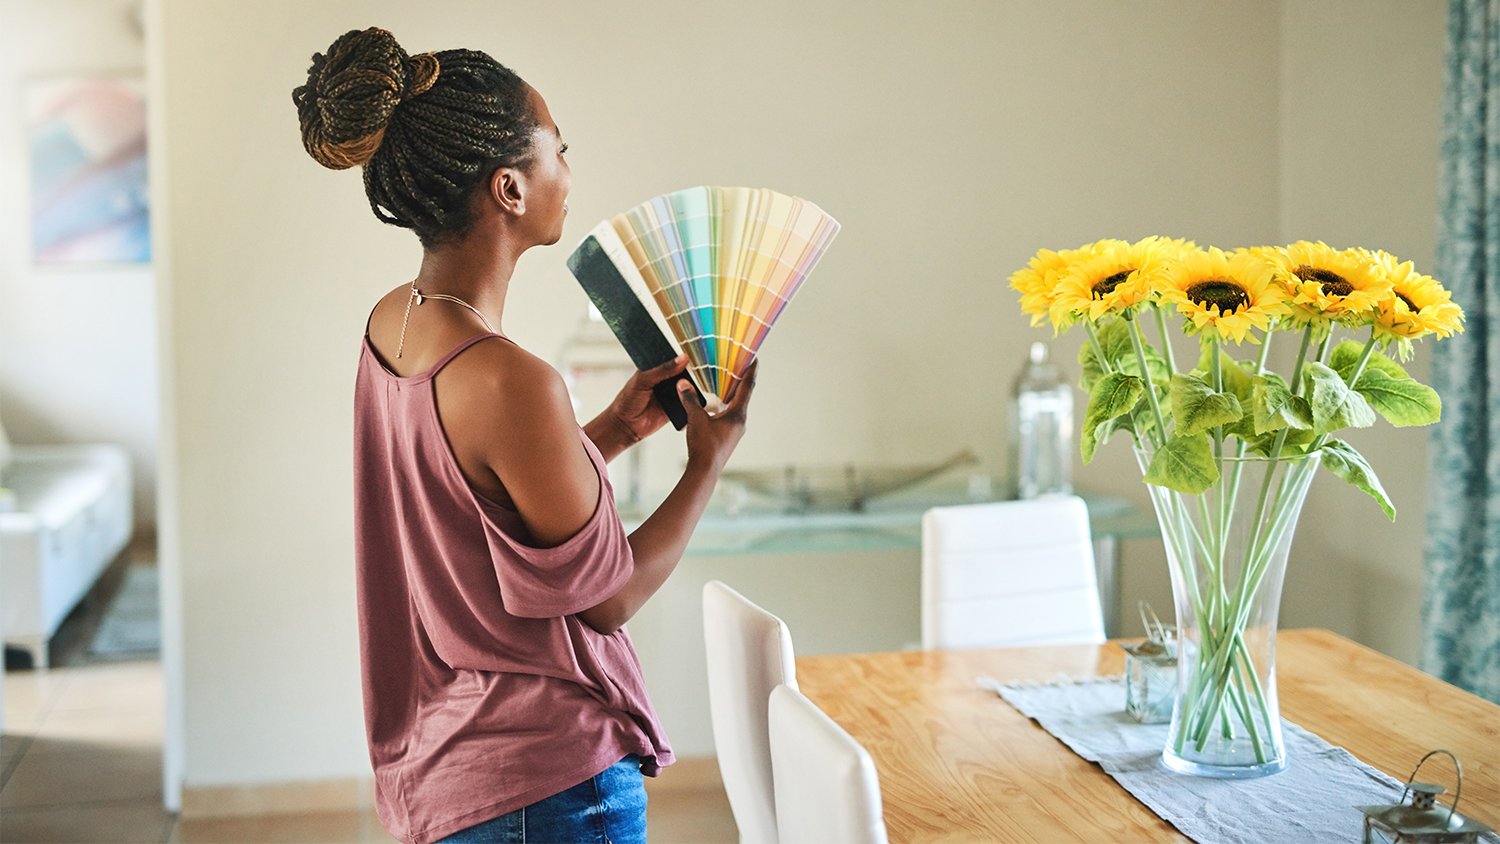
(503, 698)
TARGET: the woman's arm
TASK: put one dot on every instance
(510, 423)
(659, 542)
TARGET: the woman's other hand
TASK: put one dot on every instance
(634, 410)
(711, 439)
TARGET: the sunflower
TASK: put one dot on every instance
(1037, 281)
(1324, 283)
(1117, 279)
(1224, 295)
(1417, 305)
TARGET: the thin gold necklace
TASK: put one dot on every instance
(418, 296)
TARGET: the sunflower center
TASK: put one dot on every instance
(1105, 286)
(1227, 296)
(1412, 306)
(1333, 283)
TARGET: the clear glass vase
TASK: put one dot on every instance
(1227, 549)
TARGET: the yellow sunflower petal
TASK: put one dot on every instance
(1223, 294)
(1118, 278)
(1417, 305)
(1037, 281)
(1327, 284)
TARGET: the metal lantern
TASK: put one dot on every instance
(1423, 819)
(1151, 672)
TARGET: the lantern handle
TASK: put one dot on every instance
(1155, 630)
(1457, 793)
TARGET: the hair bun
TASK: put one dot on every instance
(421, 74)
(351, 93)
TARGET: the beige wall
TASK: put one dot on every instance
(77, 347)
(951, 139)
(1361, 115)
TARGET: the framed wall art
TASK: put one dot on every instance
(86, 138)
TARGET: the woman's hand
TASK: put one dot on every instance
(634, 411)
(711, 439)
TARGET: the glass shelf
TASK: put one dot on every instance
(757, 526)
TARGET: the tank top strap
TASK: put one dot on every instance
(463, 347)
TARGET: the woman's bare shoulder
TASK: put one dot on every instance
(508, 417)
(505, 381)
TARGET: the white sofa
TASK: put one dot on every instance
(69, 518)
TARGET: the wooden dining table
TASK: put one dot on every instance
(958, 763)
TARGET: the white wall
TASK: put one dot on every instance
(78, 350)
(951, 139)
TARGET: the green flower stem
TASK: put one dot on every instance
(1281, 519)
(1219, 671)
(1221, 665)
(1093, 333)
(1248, 666)
(1140, 359)
(1215, 607)
(1301, 357)
(1265, 485)
(1219, 683)
(1215, 350)
(1220, 534)
(1166, 339)
(1239, 452)
(1247, 717)
(1364, 360)
(1265, 350)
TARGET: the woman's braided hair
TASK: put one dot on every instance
(427, 128)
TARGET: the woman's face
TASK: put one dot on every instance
(549, 179)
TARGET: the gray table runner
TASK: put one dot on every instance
(1312, 800)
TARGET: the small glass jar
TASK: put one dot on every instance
(1150, 681)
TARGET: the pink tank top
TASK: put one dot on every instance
(483, 691)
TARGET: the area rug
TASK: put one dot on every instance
(132, 624)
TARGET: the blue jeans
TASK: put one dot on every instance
(607, 809)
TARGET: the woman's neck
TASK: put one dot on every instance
(475, 272)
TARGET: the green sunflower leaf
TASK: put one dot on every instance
(1334, 405)
(1236, 373)
(1345, 357)
(1404, 402)
(1197, 408)
(1236, 376)
(1293, 442)
(1274, 407)
(1341, 459)
(1109, 427)
(1114, 339)
(1185, 464)
(1114, 395)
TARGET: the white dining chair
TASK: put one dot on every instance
(827, 789)
(749, 654)
(1009, 573)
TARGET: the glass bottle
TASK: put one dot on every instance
(1041, 430)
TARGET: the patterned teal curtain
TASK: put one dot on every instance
(1461, 607)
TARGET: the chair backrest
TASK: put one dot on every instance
(6, 453)
(1009, 573)
(827, 789)
(749, 654)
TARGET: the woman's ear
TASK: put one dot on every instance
(508, 191)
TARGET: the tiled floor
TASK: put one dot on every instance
(80, 761)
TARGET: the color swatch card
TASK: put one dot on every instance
(716, 267)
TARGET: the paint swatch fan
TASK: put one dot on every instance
(712, 267)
